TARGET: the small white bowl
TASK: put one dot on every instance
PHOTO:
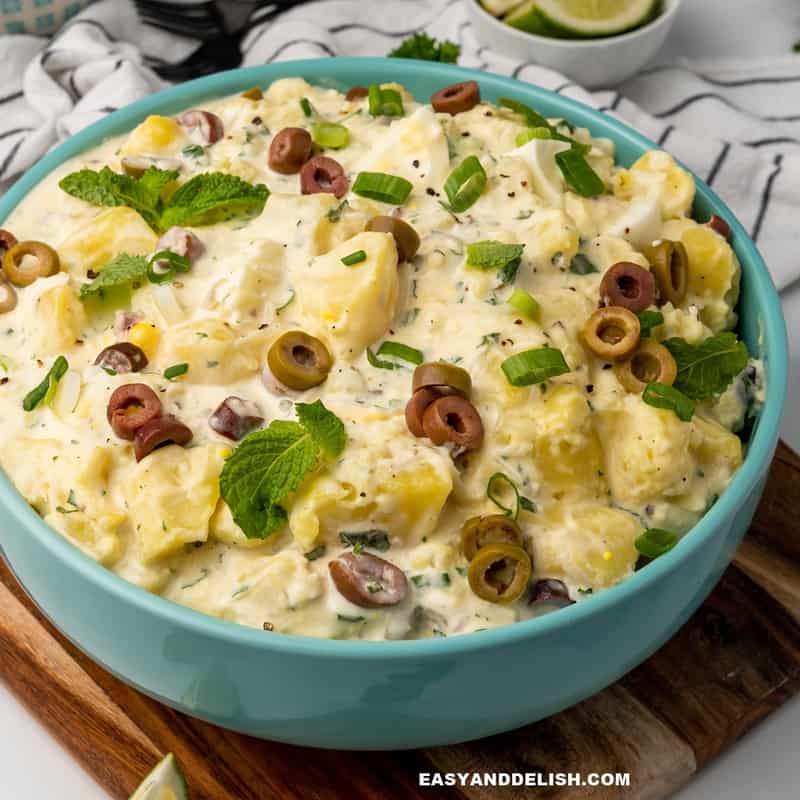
(593, 63)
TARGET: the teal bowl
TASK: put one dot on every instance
(399, 694)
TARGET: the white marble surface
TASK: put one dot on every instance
(765, 763)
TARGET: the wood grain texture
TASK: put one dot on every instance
(737, 659)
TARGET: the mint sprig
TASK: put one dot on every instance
(124, 271)
(708, 368)
(269, 465)
(205, 199)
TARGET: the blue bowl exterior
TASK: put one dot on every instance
(385, 695)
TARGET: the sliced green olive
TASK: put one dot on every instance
(651, 362)
(670, 264)
(406, 238)
(439, 373)
(499, 573)
(299, 360)
(612, 333)
(8, 297)
(47, 262)
(477, 532)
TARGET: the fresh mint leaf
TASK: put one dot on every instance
(154, 180)
(580, 265)
(708, 368)
(123, 271)
(649, 320)
(659, 395)
(326, 428)
(270, 464)
(375, 539)
(211, 198)
(425, 48)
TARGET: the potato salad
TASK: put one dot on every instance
(359, 367)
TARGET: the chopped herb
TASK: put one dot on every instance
(203, 575)
(527, 504)
(654, 542)
(489, 339)
(335, 214)
(649, 320)
(374, 539)
(419, 581)
(659, 395)
(317, 552)
(287, 303)
(71, 502)
(346, 618)
(240, 590)
(491, 254)
(580, 265)
(534, 366)
(354, 258)
(194, 151)
(526, 214)
(425, 48)
(4, 364)
(305, 104)
(175, 371)
(48, 384)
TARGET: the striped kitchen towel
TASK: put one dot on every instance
(729, 121)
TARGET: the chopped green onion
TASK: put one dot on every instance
(580, 265)
(649, 320)
(157, 273)
(305, 104)
(330, 134)
(659, 395)
(465, 184)
(578, 174)
(654, 542)
(317, 552)
(354, 258)
(194, 150)
(519, 500)
(380, 186)
(533, 133)
(175, 371)
(533, 118)
(287, 303)
(534, 366)
(346, 618)
(335, 214)
(402, 351)
(491, 254)
(385, 102)
(525, 303)
(527, 504)
(54, 375)
(376, 539)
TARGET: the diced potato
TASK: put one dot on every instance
(677, 192)
(389, 481)
(551, 233)
(59, 320)
(113, 231)
(171, 496)
(715, 446)
(351, 306)
(155, 136)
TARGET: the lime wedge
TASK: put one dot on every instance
(165, 782)
(588, 18)
(527, 18)
(499, 7)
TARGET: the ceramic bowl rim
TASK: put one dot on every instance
(346, 69)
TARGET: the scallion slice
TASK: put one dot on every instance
(654, 542)
(491, 254)
(175, 371)
(520, 501)
(380, 186)
(533, 118)
(394, 350)
(330, 134)
(534, 366)
(465, 184)
(48, 384)
(354, 258)
(526, 304)
(157, 272)
(385, 102)
(659, 395)
(578, 174)
(533, 133)
(305, 104)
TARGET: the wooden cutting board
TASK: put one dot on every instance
(736, 660)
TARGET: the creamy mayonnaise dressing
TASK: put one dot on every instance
(600, 464)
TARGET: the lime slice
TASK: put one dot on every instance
(165, 782)
(527, 18)
(596, 17)
(499, 7)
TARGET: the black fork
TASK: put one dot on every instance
(220, 26)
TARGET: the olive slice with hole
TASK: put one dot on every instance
(289, 150)
(121, 358)
(7, 240)
(651, 362)
(415, 409)
(453, 419)
(131, 406)
(406, 239)
(499, 573)
(628, 285)
(368, 581)
(440, 373)
(47, 262)
(477, 532)
(670, 264)
(612, 333)
(299, 360)
(160, 432)
(456, 98)
(550, 592)
(8, 297)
